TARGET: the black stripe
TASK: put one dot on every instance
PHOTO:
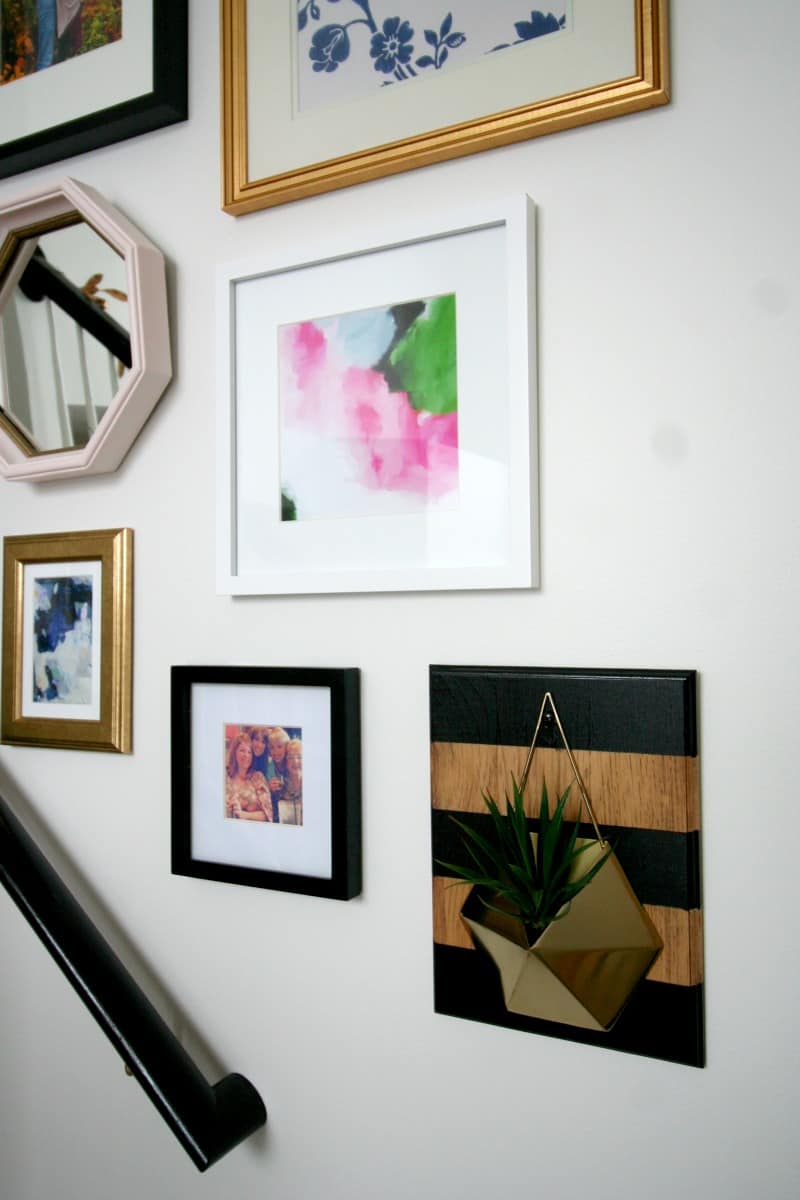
(662, 867)
(661, 1020)
(634, 712)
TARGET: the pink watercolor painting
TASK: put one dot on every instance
(369, 412)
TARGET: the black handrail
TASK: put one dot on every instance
(41, 280)
(208, 1121)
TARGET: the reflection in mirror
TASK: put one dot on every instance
(64, 336)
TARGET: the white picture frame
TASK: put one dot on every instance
(486, 536)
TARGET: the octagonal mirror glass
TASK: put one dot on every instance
(84, 345)
(64, 337)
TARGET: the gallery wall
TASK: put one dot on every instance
(668, 272)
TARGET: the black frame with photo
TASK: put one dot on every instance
(166, 104)
(344, 686)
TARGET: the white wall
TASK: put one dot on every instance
(668, 286)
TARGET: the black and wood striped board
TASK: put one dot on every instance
(634, 738)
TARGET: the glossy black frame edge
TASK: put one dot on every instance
(344, 685)
(165, 105)
(207, 1120)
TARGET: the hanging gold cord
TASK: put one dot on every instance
(548, 699)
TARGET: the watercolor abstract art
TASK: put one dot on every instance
(63, 645)
(369, 411)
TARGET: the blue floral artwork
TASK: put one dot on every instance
(538, 25)
(62, 636)
(347, 48)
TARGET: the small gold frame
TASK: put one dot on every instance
(113, 549)
(646, 87)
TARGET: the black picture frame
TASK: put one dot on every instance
(343, 684)
(166, 104)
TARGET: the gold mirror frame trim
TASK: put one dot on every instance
(114, 549)
(647, 88)
(17, 434)
(8, 252)
(36, 230)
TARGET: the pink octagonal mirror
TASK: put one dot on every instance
(84, 335)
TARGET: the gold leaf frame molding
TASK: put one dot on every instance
(646, 87)
(108, 554)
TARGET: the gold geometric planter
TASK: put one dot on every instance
(584, 967)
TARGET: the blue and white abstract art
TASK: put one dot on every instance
(63, 665)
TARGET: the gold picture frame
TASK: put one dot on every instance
(67, 676)
(266, 31)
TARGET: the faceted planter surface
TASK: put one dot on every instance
(583, 968)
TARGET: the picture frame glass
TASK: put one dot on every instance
(67, 679)
(296, 839)
(333, 460)
(375, 420)
(418, 47)
(351, 79)
(84, 83)
(62, 640)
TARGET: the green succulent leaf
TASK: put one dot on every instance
(519, 823)
(473, 877)
(473, 839)
(504, 835)
(549, 842)
(562, 874)
(519, 877)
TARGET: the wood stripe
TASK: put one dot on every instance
(448, 928)
(680, 962)
(644, 791)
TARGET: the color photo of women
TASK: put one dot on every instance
(35, 34)
(247, 796)
(264, 774)
(290, 805)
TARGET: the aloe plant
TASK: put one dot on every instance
(525, 880)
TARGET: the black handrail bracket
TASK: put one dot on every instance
(207, 1120)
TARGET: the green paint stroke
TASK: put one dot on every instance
(424, 360)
